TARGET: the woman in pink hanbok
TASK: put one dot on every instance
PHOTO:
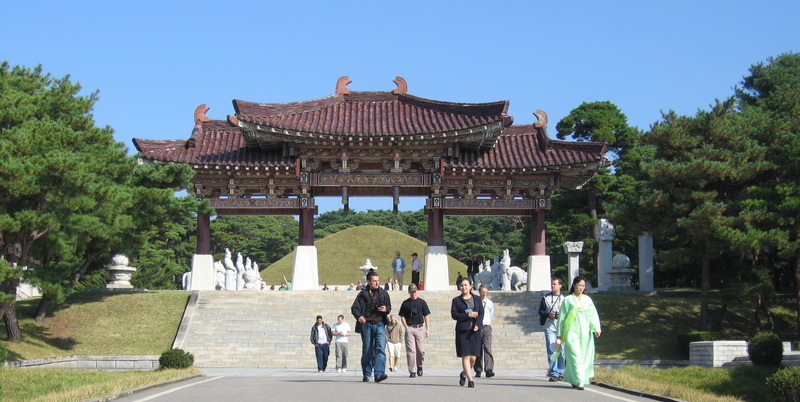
(578, 325)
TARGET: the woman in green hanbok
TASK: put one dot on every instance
(577, 325)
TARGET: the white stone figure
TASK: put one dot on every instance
(239, 271)
(219, 276)
(230, 271)
(365, 269)
(485, 277)
(497, 273)
(261, 284)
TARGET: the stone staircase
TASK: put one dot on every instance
(271, 329)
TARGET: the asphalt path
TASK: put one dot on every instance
(243, 385)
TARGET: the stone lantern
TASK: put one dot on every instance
(120, 273)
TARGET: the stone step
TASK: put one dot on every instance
(271, 329)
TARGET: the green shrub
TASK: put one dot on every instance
(784, 385)
(176, 359)
(3, 354)
(685, 339)
(765, 349)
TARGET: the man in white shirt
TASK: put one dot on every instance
(341, 330)
(416, 268)
(486, 361)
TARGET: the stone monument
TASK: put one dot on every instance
(605, 234)
(646, 266)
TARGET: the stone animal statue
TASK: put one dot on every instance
(513, 278)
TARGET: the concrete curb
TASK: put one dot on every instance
(142, 388)
(637, 393)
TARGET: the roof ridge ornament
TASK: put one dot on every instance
(402, 86)
(541, 117)
(199, 118)
(341, 85)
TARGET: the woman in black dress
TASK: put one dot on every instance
(467, 310)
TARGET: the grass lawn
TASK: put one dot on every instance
(100, 323)
(695, 384)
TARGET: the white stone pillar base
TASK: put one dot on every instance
(538, 273)
(202, 277)
(305, 273)
(437, 272)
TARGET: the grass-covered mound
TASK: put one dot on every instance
(340, 254)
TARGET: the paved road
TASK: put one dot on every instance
(244, 385)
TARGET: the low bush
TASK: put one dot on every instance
(176, 359)
(765, 349)
(685, 339)
(784, 385)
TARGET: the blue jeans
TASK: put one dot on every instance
(373, 351)
(322, 351)
(556, 366)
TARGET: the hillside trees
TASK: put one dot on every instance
(68, 191)
(770, 100)
(263, 239)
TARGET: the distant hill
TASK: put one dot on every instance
(340, 254)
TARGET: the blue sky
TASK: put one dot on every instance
(155, 62)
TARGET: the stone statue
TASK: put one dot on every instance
(219, 275)
(485, 277)
(239, 271)
(365, 269)
(230, 271)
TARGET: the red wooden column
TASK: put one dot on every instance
(538, 246)
(203, 234)
(306, 237)
(435, 227)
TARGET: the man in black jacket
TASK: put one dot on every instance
(321, 337)
(371, 310)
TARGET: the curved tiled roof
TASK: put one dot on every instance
(518, 147)
(215, 143)
(366, 113)
(527, 146)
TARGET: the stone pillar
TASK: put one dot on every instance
(436, 266)
(305, 273)
(605, 232)
(538, 261)
(573, 250)
(202, 275)
(203, 234)
(646, 268)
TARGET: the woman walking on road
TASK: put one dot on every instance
(578, 322)
(467, 310)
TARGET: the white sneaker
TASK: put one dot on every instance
(344, 370)
(338, 370)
